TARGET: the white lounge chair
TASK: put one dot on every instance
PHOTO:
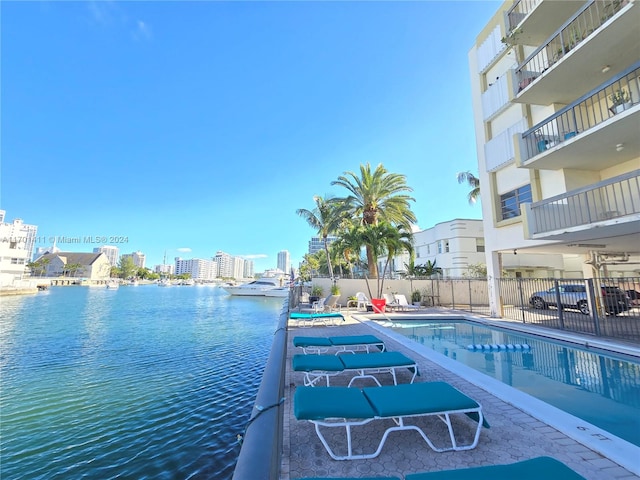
(391, 302)
(403, 304)
(348, 407)
(365, 365)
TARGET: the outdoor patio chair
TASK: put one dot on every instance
(533, 469)
(344, 407)
(363, 302)
(310, 318)
(366, 365)
(404, 304)
(347, 343)
(391, 304)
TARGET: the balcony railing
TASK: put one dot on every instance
(500, 151)
(619, 94)
(607, 200)
(519, 10)
(579, 27)
(495, 98)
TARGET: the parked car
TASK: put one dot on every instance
(575, 297)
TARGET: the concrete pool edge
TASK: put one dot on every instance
(616, 449)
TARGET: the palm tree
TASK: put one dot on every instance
(429, 269)
(375, 196)
(474, 183)
(324, 219)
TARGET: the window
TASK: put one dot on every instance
(510, 202)
(479, 244)
(428, 249)
(439, 247)
(446, 246)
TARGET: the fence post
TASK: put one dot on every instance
(521, 298)
(593, 310)
(470, 299)
(453, 296)
(559, 304)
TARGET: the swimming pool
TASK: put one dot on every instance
(598, 387)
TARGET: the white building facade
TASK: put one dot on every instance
(112, 253)
(284, 261)
(198, 268)
(556, 118)
(17, 241)
(138, 258)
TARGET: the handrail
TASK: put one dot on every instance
(574, 31)
(573, 120)
(261, 453)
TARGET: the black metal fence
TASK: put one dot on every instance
(609, 307)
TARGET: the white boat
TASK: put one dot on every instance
(165, 282)
(278, 292)
(113, 285)
(256, 288)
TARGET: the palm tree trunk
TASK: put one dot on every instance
(326, 249)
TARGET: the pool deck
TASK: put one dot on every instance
(515, 434)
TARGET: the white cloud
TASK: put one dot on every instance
(254, 255)
(183, 249)
(142, 31)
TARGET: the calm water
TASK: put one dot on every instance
(601, 389)
(139, 382)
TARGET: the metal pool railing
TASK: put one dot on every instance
(261, 453)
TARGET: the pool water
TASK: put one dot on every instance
(597, 387)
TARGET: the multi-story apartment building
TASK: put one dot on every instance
(164, 269)
(456, 246)
(138, 258)
(317, 243)
(229, 266)
(200, 269)
(112, 253)
(17, 241)
(284, 261)
(556, 90)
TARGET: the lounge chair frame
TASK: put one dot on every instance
(399, 419)
(381, 363)
(341, 344)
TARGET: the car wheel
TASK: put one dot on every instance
(583, 306)
(538, 303)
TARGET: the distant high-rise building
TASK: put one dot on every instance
(229, 266)
(112, 253)
(200, 269)
(164, 269)
(317, 243)
(284, 261)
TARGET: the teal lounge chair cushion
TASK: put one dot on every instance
(301, 316)
(535, 469)
(312, 363)
(311, 342)
(417, 398)
(356, 478)
(354, 340)
(311, 403)
(375, 360)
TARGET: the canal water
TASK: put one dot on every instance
(138, 382)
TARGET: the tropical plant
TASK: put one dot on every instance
(619, 97)
(429, 269)
(335, 289)
(416, 296)
(316, 291)
(126, 267)
(71, 269)
(476, 270)
(473, 182)
(374, 196)
(324, 219)
(39, 267)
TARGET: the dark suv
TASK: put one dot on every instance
(575, 296)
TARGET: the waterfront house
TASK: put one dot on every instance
(16, 246)
(90, 266)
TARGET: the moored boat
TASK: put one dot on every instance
(278, 292)
(258, 287)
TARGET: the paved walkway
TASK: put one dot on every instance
(513, 436)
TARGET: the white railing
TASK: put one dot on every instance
(495, 98)
(489, 49)
(500, 151)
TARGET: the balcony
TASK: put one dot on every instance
(591, 133)
(538, 19)
(612, 205)
(601, 38)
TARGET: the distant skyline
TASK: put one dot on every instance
(194, 127)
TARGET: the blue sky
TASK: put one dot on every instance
(193, 127)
